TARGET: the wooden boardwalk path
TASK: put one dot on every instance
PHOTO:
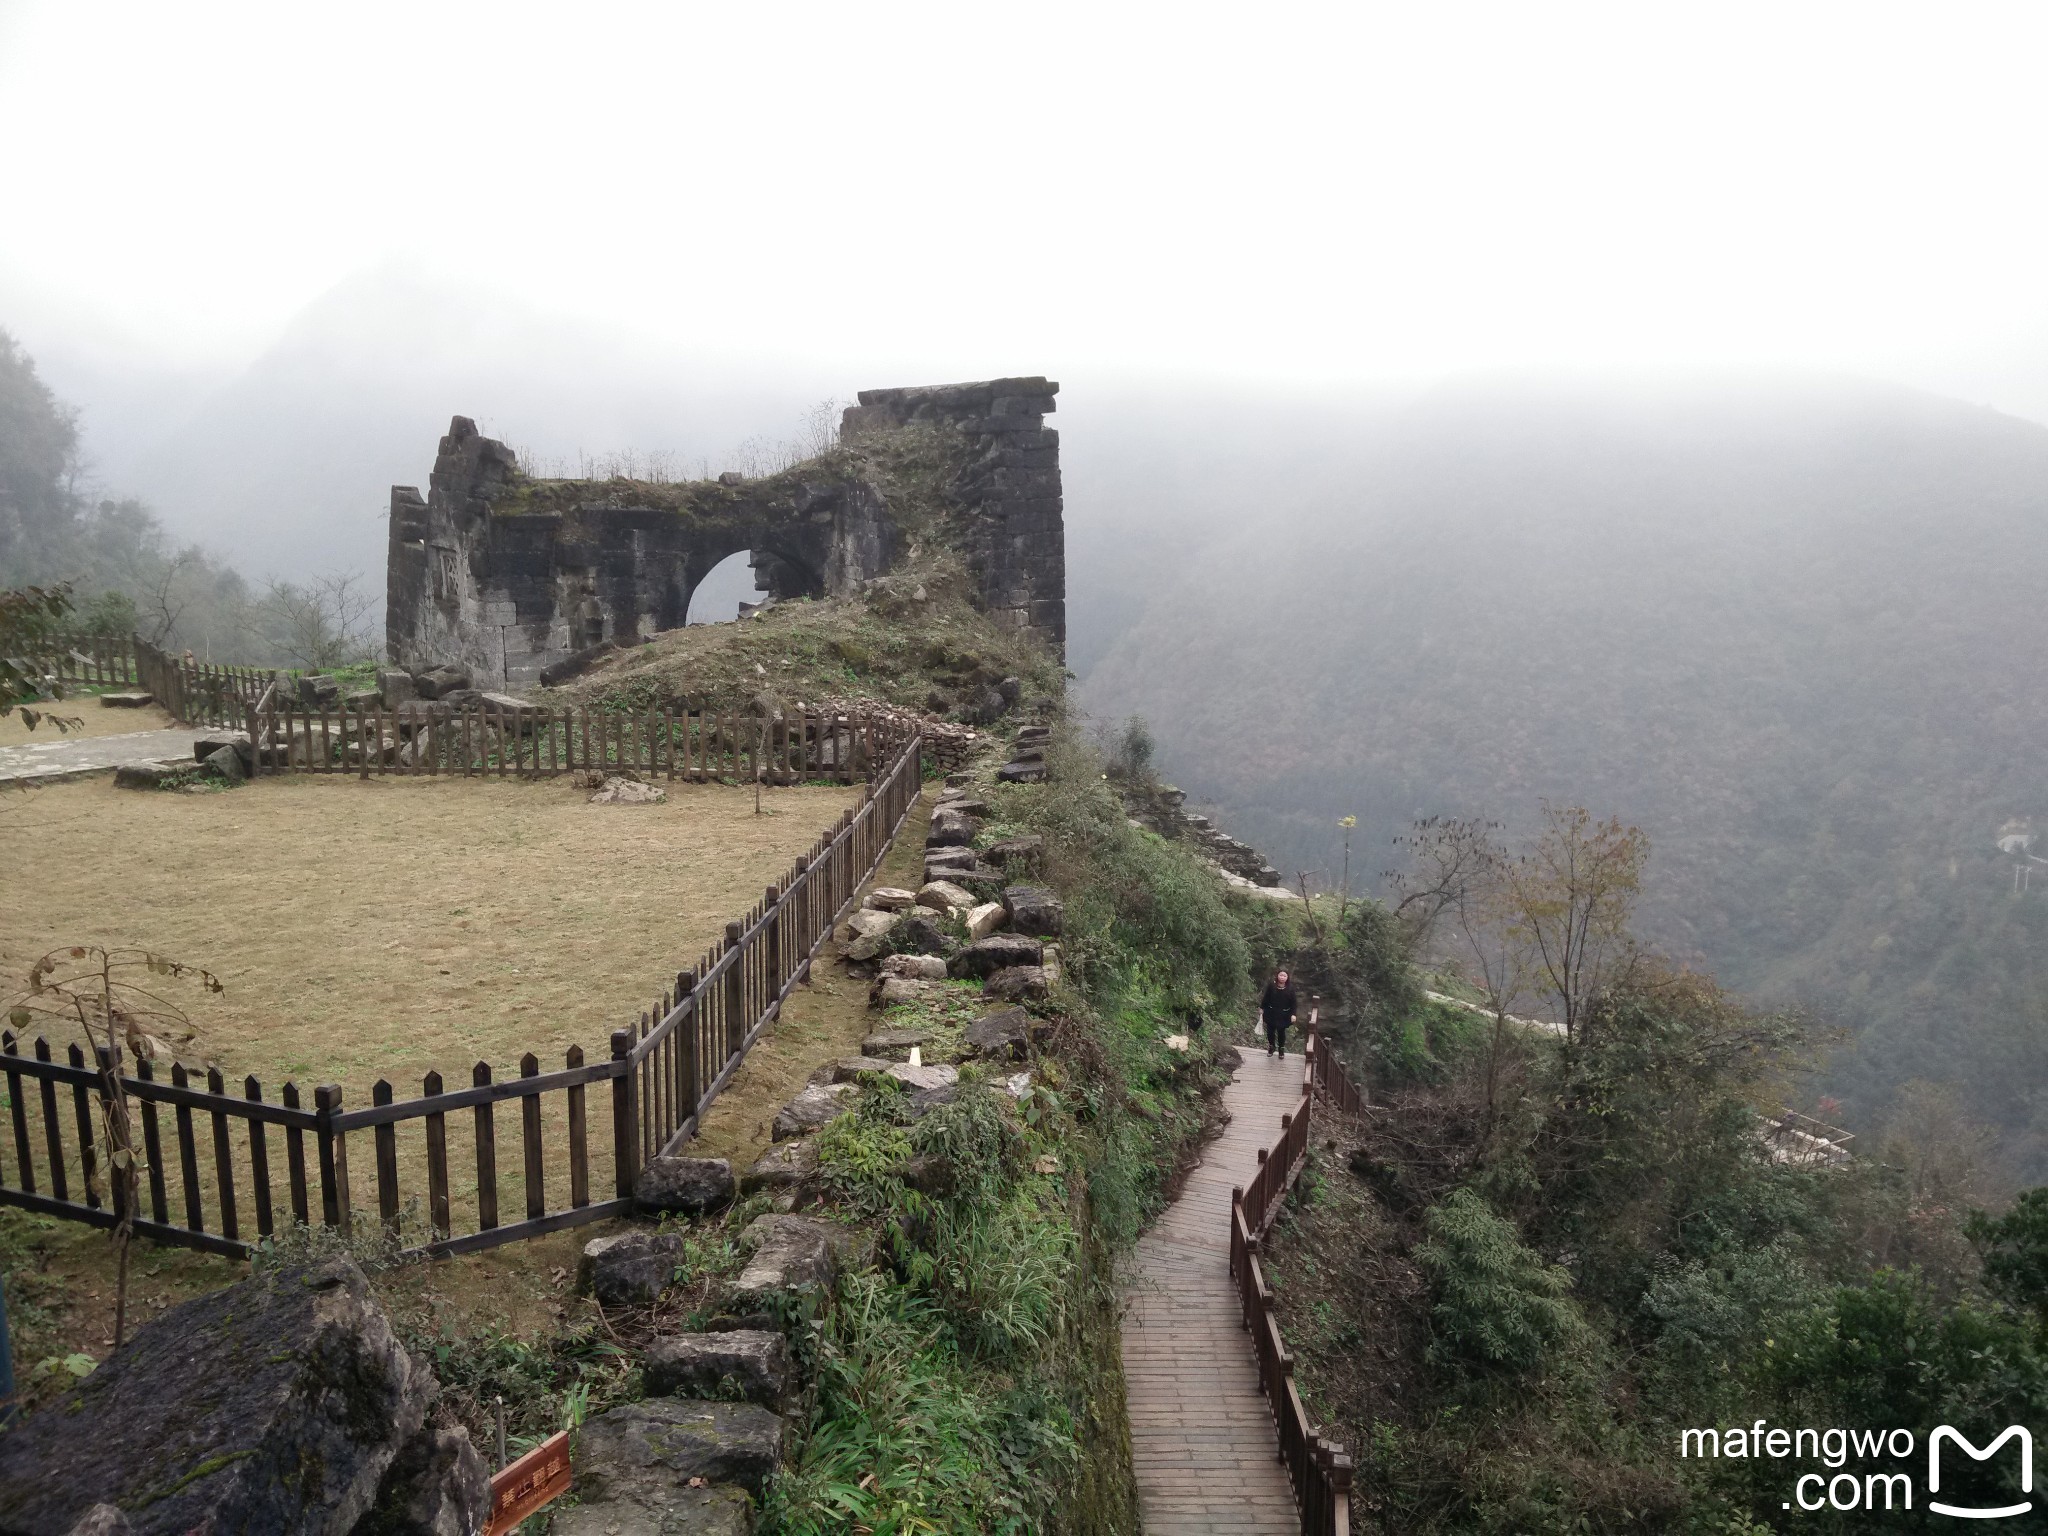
(1201, 1434)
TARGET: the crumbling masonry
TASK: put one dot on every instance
(517, 578)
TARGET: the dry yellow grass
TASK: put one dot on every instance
(385, 927)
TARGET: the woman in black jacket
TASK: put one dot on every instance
(1276, 1008)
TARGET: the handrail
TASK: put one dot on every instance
(1318, 1467)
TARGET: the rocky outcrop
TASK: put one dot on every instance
(281, 1404)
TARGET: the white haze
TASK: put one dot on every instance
(269, 250)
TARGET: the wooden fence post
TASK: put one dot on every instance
(735, 996)
(625, 1110)
(333, 1156)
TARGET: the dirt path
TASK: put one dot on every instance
(822, 1021)
(1201, 1434)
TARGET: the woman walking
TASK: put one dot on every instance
(1276, 1007)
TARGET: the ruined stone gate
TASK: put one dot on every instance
(517, 577)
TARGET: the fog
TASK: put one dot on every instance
(268, 253)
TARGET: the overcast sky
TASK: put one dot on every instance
(1364, 192)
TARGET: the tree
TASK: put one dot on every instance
(29, 621)
(2015, 1249)
(1570, 899)
(96, 988)
(323, 623)
(38, 464)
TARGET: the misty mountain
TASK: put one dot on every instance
(285, 467)
(1793, 631)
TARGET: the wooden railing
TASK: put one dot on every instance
(89, 660)
(1318, 1467)
(584, 1132)
(196, 692)
(530, 741)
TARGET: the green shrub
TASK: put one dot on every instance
(1498, 1306)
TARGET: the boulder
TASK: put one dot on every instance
(629, 1270)
(438, 1486)
(439, 682)
(365, 699)
(868, 924)
(459, 699)
(1034, 910)
(213, 741)
(925, 1100)
(889, 898)
(931, 1075)
(695, 1186)
(987, 706)
(999, 951)
(317, 690)
(1016, 853)
(919, 936)
(128, 700)
(747, 1365)
(894, 1044)
(1011, 688)
(869, 947)
(846, 1069)
(955, 864)
(986, 919)
(915, 967)
(950, 829)
(617, 791)
(781, 1168)
(277, 1404)
(895, 991)
(1003, 1035)
(145, 775)
(791, 1253)
(943, 896)
(1019, 981)
(653, 1448)
(1025, 772)
(227, 762)
(395, 687)
(966, 803)
(809, 1110)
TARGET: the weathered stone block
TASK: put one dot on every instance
(1034, 910)
(986, 919)
(694, 1186)
(809, 1110)
(889, 898)
(894, 1044)
(629, 1270)
(915, 967)
(997, 952)
(1000, 1035)
(747, 1364)
(943, 896)
(785, 1166)
(791, 1253)
(651, 1449)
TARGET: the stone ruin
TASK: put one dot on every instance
(522, 580)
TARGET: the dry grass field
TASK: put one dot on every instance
(389, 926)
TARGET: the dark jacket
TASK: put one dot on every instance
(1276, 1003)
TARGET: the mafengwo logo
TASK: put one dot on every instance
(1945, 1436)
(1871, 1471)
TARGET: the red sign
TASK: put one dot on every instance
(536, 1478)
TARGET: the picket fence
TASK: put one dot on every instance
(583, 1133)
(1319, 1468)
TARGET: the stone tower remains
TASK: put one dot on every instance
(519, 578)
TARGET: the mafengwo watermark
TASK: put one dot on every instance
(1873, 1470)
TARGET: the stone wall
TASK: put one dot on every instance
(1017, 543)
(510, 576)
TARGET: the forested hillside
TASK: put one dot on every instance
(1793, 633)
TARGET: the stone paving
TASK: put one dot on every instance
(1201, 1433)
(66, 757)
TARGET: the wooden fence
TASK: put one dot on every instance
(89, 661)
(528, 741)
(1319, 1468)
(196, 692)
(214, 1179)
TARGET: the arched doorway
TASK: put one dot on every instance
(717, 598)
